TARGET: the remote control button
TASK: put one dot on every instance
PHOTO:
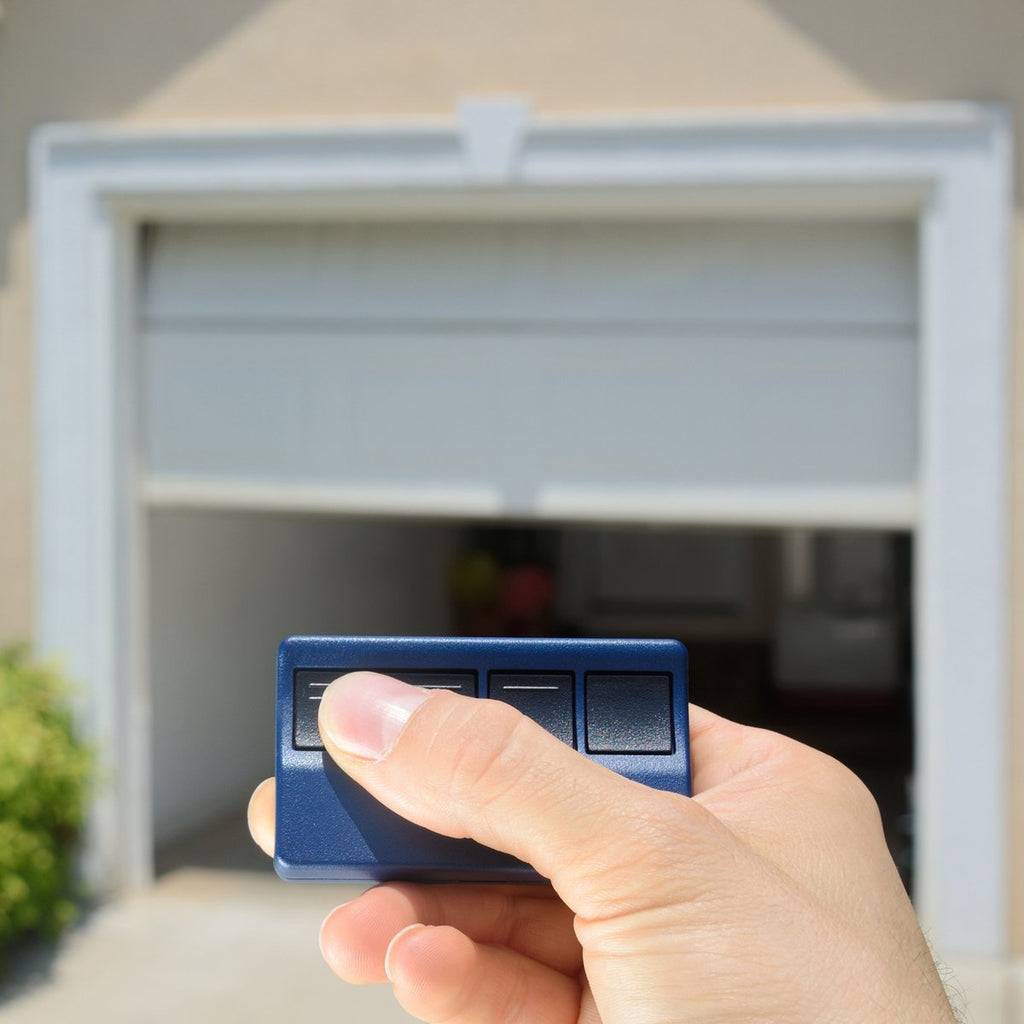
(629, 714)
(546, 697)
(310, 685)
(458, 682)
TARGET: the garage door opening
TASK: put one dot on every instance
(804, 632)
(851, 267)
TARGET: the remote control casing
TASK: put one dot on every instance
(622, 703)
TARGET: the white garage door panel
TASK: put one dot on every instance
(691, 272)
(504, 361)
(514, 413)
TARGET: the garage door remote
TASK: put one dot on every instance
(622, 703)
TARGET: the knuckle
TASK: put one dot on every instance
(857, 796)
(489, 754)
(665, 831)
(843, 788)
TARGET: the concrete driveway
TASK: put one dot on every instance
(202, 944)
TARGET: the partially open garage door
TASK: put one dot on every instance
(684, 371)
(635, 371)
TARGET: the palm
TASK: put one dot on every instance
(667, 902)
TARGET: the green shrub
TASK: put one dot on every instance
(44, 784)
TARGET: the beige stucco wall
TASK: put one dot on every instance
(150, 61)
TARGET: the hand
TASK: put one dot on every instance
(768, 896)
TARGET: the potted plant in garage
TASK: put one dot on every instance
(45, 773)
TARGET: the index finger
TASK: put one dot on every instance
(260, 816)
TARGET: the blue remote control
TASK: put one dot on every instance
(622, 703)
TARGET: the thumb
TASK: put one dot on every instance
(468, 767)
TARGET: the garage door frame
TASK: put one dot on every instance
(946, 165)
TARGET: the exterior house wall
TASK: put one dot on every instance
(146, 62)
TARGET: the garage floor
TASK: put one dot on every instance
(204, 943)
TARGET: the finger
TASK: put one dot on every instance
(439, 974)
(463, 766)
(529, 920)
(720, 749)
(733, 761)
(261, 816)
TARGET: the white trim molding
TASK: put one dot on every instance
(947, 166)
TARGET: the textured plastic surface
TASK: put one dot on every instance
(329, 829)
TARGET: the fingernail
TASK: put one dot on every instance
(391, 946)
(363, 713)
(321, 938)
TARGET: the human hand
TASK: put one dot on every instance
(768, 896)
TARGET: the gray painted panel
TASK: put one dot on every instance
(519, 411)
(849, 272)
(518, 355)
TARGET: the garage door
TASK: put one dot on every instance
(531, 368)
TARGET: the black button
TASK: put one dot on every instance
(458, 682)
(546, 697)
(629, 714)
(310, 685)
